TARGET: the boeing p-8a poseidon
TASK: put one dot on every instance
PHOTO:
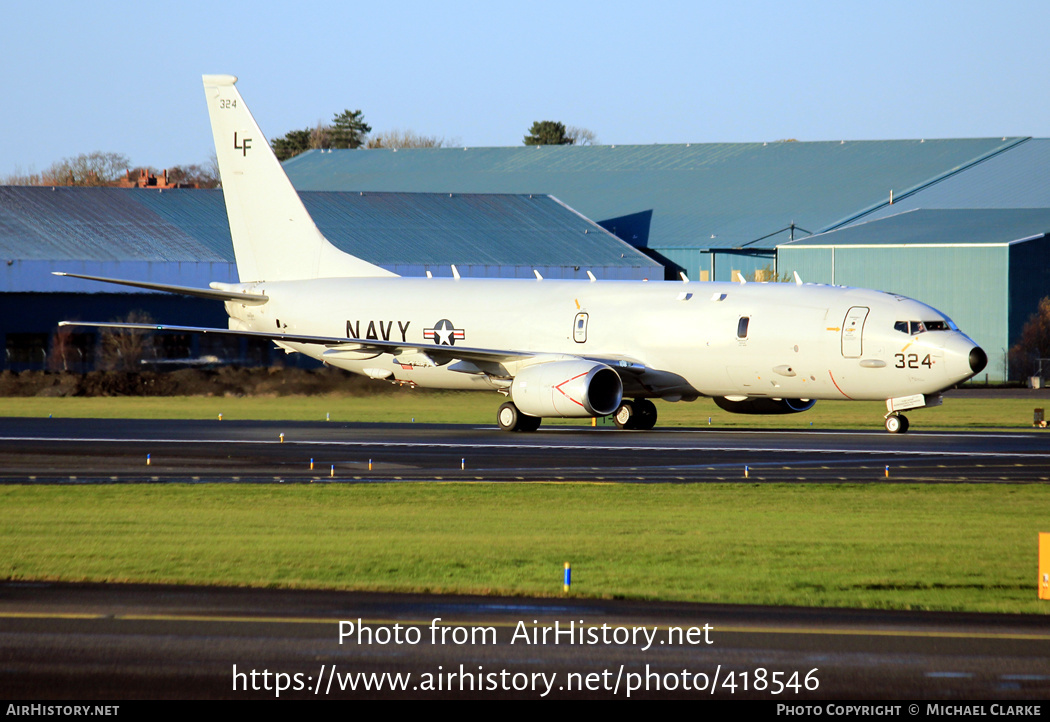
(560, 348)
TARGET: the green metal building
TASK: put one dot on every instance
(706, 208)
(958, 224)
(985, 268)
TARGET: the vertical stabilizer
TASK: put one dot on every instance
(274, 238)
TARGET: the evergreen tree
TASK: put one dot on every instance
(548, 132)
(291, 144)
(349, 130)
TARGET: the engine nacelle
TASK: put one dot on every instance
(567, 388)
(764, 406)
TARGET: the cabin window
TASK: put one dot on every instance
(741, 326)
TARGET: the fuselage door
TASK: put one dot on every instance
(579, 328)
(853, 331)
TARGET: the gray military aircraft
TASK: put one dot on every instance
(559, 348)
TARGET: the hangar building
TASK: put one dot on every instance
(182, 237)
(706, 208)
(974, 245)
(985, 268)
(959, 224)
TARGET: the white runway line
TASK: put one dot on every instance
(929, 453)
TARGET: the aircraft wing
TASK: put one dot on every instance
(497, 362)
(410, 354)
(336, 345)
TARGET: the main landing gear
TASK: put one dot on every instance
(510, 419)
(639, 414)
(896, 423)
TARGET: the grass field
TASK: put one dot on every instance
(480, 408)
(888, 546)
(949, 547)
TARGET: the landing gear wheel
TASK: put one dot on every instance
(626, 417)
(646, 411)
(897, 423)
(510, 419)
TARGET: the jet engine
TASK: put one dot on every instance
(567, 388)
(747, 405)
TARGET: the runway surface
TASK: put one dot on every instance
(127, 642)
(116, 451)
(149, 642)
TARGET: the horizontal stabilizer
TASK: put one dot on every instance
(248, 299)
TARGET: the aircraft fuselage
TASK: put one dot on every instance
(773, 340)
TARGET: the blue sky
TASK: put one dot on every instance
(125, 76)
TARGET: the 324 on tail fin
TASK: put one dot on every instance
(274, 238)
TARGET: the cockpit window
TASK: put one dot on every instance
(916, 327)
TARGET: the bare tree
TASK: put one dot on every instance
(581, 136)
(87, 169)
(398, 138)
(102, 169)
(766, 274)
(18, 178)
(124, 349)
(202, 176)
(63, 355)
(212, 169)
(321, 136)
(1034, 343)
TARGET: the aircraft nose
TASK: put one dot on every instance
(978, 359)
